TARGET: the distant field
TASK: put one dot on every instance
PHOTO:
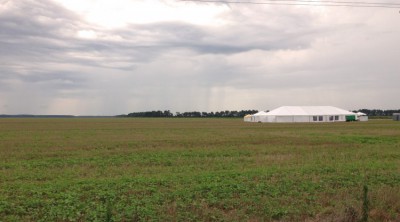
(120, 169)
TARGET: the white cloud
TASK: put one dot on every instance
(119, 13)
(87, 34)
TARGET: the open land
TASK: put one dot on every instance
(172, 169)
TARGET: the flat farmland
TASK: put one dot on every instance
(172, 169)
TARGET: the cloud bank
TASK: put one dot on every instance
(98, 58)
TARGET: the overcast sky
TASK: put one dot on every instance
(101, 57)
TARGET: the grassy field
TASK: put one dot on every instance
(120, 169)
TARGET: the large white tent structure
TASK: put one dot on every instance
(290, 114)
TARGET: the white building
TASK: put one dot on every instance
(362, 116)
(247, 118)
(291, 114)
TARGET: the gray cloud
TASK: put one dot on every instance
(288, 52)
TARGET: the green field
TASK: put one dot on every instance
(121, 169)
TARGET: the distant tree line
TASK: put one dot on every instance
(226, 113)
(378, 112)
(168, 113)
(233, 114)
(158, 113)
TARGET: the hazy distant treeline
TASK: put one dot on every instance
(378, 112)
(242, 113)
(168, 113)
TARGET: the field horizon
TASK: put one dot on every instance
(198, 169)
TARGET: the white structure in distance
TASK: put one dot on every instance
(362, 116)
(305, 114)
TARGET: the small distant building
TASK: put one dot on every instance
(247, 118)
(258, 117)
(396, 116)
(362, 116)
(293, 114)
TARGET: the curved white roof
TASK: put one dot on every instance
(260, 113)
(308, 111)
